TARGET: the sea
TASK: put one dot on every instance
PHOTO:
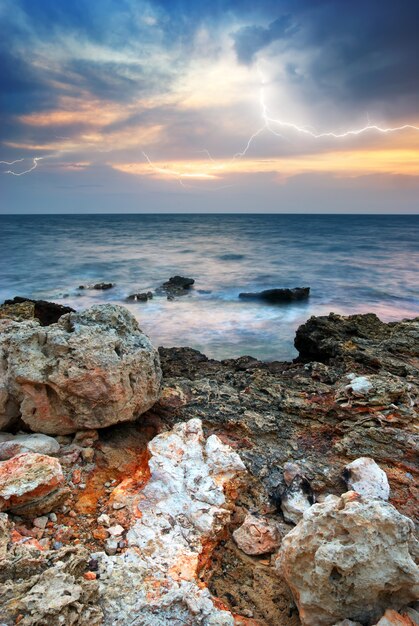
(352, 264)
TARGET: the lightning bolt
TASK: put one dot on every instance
(269, 121)
(30, 169)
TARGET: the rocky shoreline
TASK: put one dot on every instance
(151, 488)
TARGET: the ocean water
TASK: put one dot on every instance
(352, 264)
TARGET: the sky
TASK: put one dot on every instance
(289, 106)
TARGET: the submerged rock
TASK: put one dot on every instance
(257, 535)
(176, 286)
(24, 309)
(366, 478)
(278, 295)
(89, 370)
(350, 557)
(98, 286)
(140, 297)
(31, 484)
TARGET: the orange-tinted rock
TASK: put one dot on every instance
(32, 482)
(392, 618)
(87, 371)
(257, 535)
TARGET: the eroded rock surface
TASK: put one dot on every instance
(24, 308)
(31, 484)
(89, 370)
(350, 557)
(181, 511)
(45, 587)
(257, 535)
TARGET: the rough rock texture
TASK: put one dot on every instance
(366, 478)
(392, 618)
(308, 414)
(31, 484)
(24, 308)
(140, 297)
(89, 370)
(11, 445)
(297, 496)
(350, 558)
(364, 338)
(176, 286)
(257, 535)
(317, 416)
(44, 587)
(181, 510)
(278, 295)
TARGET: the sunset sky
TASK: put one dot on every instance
(201, 106)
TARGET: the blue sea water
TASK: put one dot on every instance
(352, 263)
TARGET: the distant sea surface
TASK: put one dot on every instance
(353, 264)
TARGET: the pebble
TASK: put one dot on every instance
(116, 531)
(88, 454)
(57, 545)
(111, 546)
(118, 505)
(53, 517)
(104, 519)
(41, 522)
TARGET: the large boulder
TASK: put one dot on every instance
(89, 370)
(350, 557)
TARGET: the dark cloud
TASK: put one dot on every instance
(251, 39)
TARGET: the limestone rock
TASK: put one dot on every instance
(89, 370)
(11, 445)
(257, 536)
(366, 478)
(30, 484)
(350, 556)
(41, 587)
(181, 510)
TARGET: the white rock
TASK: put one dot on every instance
(359, 385)
(104, 519)
(183, 507)
(41, 522)
(116, 531)
(366, 478)
(350, 556)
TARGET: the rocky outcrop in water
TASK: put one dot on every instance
(176, 286)
(89, 370)
(275, 296)
(98, 286)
